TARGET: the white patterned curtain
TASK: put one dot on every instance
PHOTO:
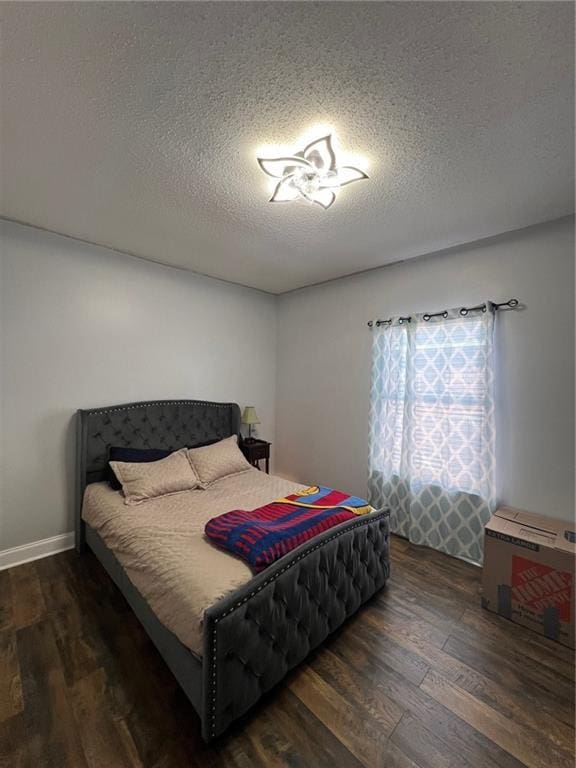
(432, 428)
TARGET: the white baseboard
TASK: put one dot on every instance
(37, 549)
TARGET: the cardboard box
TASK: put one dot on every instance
(528, 573)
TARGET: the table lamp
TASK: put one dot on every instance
(250, 417)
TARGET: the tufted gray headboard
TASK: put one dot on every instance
(154, 424)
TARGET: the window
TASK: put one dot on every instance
(432, 430)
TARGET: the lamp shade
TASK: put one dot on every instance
(250, 416)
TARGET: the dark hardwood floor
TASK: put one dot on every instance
(421, 677)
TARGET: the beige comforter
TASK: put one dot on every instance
(161, 545)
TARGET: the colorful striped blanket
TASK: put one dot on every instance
(263, 535)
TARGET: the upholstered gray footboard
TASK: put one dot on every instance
(253, 637)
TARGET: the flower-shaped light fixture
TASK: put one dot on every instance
(312, 175)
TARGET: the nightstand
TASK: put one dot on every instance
(255, 450)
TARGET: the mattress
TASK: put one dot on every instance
(162, 548)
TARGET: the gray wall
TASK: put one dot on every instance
(324, 362)
(80, 327)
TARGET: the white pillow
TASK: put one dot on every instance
(212, 462)
(147, 480)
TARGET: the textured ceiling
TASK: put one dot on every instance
(135, 125)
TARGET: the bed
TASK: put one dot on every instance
(227, 636)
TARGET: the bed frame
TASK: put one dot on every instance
(254, 636)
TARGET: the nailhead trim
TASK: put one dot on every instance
(119, 409)
(382, 515)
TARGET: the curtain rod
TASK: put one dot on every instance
(510, 304)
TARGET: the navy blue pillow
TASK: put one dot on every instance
(136, 455)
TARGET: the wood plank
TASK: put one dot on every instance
(141, 691)
(14, 752)
(482, 623)
(523, 710)
(77, 631)
(234, 755)
(394, 757)
(379, 643)
(372, 703)
(474, 747)
(79, 643)
(317, 745)
(11, 701)
(406, 603)
(462, 578)
(176, 754)
(53, 738)
(467, 575)
(424, 747)
(403, 624)
(520, 741)
(149, 718)
(361, 738)
(397, 544)
(441, 612)
(57, 587)
(89, 581)
(27, 599)
(549, 693)
(268, 745)
(108, 636)
(106, 741)
(429, 654)
(440, 589)
(6, 615)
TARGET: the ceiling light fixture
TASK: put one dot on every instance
(312, 175)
